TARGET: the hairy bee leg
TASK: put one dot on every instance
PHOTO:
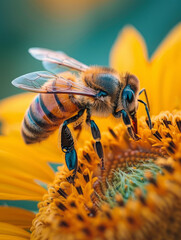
(127, 122)
(67, 143)
(148, 113)
(97, 137)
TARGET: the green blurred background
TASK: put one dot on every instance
(85, 29)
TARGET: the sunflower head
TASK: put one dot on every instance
(137, 193)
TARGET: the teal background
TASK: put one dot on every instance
(87, 37)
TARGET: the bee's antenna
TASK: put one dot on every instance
(148, 113)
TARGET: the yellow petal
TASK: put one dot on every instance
(10, 237)
(166, 74)
(14, 196)
(16, 216)
(129, 53)
(21, 165)
(7, 237)
(31, 159)
(12, 110)
(10, 230)
(32, 166)
(20, 187)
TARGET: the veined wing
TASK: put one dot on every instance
(54, 61)
(46, 82)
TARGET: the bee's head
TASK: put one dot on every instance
(130, 94)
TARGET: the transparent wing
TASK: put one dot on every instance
(46, 82)
(54, 61)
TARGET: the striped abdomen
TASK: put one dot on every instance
(46, 113)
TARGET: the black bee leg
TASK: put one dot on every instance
(148, 114)
(67, 143)
(147, 107)
(127, 122)
(97, 137)
(146, 96)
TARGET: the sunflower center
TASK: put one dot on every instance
(124, 175)
(126, 181)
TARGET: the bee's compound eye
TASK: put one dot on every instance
(128, 94)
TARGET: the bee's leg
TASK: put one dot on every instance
(146, 96)
(67, 143)
(147, 107)
(97, 137)
(127, 122)
(148, 114)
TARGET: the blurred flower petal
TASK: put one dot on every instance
(8, 230)
(20, 217)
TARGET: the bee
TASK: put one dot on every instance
(65, 96)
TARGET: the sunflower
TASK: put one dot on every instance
(137, 196)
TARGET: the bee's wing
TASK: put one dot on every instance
(54, 61)
(46, 82)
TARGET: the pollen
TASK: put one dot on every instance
(137, 196)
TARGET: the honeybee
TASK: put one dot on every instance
(64, 97)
